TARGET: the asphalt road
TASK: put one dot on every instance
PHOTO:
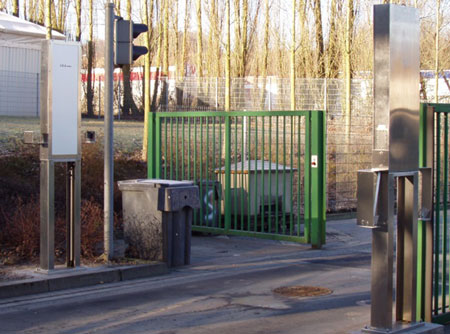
(227, 289)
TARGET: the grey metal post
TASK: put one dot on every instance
(109, 135)
(47, 200)
(395, 158)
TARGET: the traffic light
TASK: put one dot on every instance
(125, 32)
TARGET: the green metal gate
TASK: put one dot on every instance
(259, 173)
(433, 238)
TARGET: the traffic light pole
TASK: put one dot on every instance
(109, 135)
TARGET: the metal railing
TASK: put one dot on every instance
(259, 173)
(433, 237)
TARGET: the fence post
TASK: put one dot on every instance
(318, 208)
(425, 228)
(153, 149)
(227, 173)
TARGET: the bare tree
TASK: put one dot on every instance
(128, 107)
(293, 47)
(185, 33)
(165, 67)
(15, 7)
(319, 39)
(78, 20)
(436, 64)
(48, 19)
(148, 19)
(266, 39)
(199, 39)
(347, 66)
(227, 59)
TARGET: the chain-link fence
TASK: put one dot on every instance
(349, 137)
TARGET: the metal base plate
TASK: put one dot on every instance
(405, 328)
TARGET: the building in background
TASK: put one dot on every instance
(20, 65)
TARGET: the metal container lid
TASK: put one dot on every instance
(140, 184)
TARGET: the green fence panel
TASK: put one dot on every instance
(436, 157)
(259, 174)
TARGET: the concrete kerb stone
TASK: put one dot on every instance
(79, 278)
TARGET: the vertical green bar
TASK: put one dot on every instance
(299, 174)
(291, 172)
(444, 237)
(307, 177)
(157, 147)
(221, 192)
(197, 220)
(227, 174)
(263, 171)
(202, 220)
(166, 159)
(269, 223)
(171, 148)
(437, 214)
(152, 157)
(284, 176)
(214, 204)
(183, 162)
(207, 176)
(255, 195)
(243, 157)
(318, 208)
(235, 198)
(176, 149)
(189, 150)
(421, 231)
(194, 172)
(248, 174)
(277, 186)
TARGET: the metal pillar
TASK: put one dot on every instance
(395, 162)
(109, 135)
(47, 209)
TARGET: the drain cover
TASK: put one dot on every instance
(302, 291)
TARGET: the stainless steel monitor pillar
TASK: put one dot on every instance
(60, 142)
(395, 163)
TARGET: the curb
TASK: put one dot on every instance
(71, 280)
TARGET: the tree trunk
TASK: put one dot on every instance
(332, 50)
(348, 69)
(228, 60)
(117, 7)
(48, 19)
(148, 20)
(177, 42)
(129, 107)
(78, 20)
(293, 46)
(436, 56)
(244, 39)
(184, 52)
(319, 39)
(165, 68)
(199, 39)
(15, 8)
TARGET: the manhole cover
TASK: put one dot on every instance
(302, 291)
